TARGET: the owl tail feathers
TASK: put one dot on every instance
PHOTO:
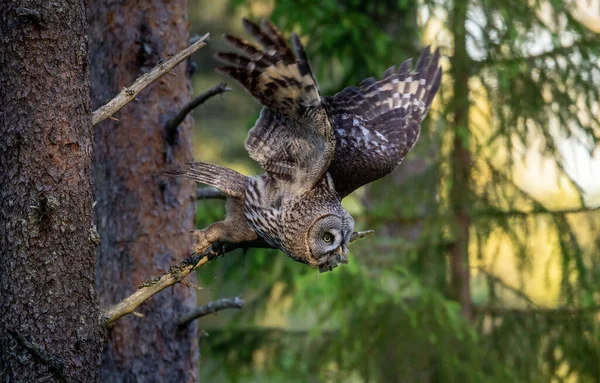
(279, 79)
(229, 182)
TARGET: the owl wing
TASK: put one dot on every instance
(228, 181)
(377, 123)
(293, 140)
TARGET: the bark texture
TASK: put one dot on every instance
(143, 218)
(49, 329)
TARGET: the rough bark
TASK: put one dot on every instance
(50, 327)
(461, 166)
(143, 219)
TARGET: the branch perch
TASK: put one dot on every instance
(129, 94)
(210, 308)
(178, 272)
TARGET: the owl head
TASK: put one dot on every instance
(317, 228)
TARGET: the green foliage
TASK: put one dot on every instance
(533, 80)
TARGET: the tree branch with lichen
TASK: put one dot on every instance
(129, 94)
(178, 272)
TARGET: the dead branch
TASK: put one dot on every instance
(154, 285)
(129, 94)
(193, 104)
(178, 272)
(360, 234)
(56, 365)
(209, 193)
(210, 308)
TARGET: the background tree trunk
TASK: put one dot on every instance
(461, 166)
(47, 241)
(143, 218)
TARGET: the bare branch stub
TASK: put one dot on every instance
(211, 308)
(130, 93)
(178, 272)
(171, 128)
(360, 234)
(209, 193)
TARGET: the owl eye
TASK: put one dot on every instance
(327, 237)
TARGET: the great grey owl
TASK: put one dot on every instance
(315, 150)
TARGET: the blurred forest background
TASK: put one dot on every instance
(485, 262)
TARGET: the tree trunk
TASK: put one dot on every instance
(50, 327)
(461, 164)
(143, 218)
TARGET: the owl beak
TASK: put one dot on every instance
(343, 255)
(337, 257)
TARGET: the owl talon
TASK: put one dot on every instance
(201, 243)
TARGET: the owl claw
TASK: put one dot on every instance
(201, 244)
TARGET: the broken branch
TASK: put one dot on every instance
(209, 193)
(210, 308)
(154, 285)
(129, 94)
(197, 101)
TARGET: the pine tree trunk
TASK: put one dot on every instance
(143, 218)
(50, 327)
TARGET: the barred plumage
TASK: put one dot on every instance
(263, 214)
(378, 122)
(293, 140)
(280, 80)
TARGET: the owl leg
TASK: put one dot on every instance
(220, 232)
(233, 229)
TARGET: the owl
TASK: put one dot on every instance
(315, 150)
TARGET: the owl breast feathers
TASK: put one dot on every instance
(315, 150)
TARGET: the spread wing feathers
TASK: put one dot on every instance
(378, 123)
(289, 152)
(276, 77)
(229, 182)
(268, 144)
(293, 140)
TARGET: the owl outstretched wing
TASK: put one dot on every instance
(293, 140)
(377, 123)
